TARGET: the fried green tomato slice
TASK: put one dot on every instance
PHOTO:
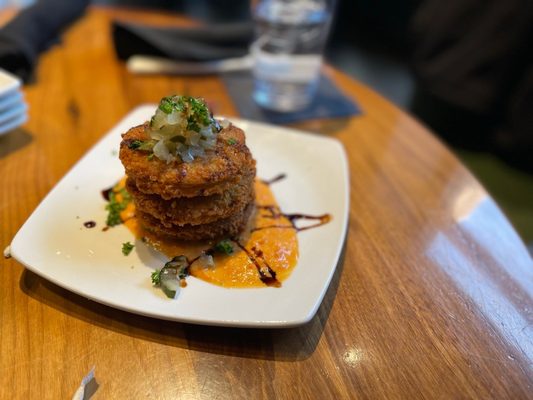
(214, 173)
(194, 210)
(219, 229)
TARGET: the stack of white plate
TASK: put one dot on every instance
(13, 110)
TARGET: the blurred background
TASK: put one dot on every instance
(462, 67)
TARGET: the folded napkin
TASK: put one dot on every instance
(213, 42)
(33, 30)
(329, 101)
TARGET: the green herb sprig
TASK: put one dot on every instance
(127, 248)
(196, 110)
(156, 277)
(143, 145)
(114, 206)
(224, 247)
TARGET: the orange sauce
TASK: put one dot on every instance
(268, 243)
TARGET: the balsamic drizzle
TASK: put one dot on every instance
(266, 274)
(322, 219)
(277, 178)
(106, 192)
(275, 213)
(89, 224)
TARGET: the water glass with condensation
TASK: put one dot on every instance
(290, 36)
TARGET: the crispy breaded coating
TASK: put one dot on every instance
(194, 210)
(211, 197)
(219, 229)
(215, 173)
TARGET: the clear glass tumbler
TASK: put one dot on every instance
(287, 51)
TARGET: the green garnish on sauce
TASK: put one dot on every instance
(224, 246)
(127, 248)
(231, 141)
(116, 205)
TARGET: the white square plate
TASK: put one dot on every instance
(55, 244)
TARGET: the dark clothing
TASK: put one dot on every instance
(474, 62)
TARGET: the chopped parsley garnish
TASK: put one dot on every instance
(167, 105)
(127, 248)
(156, 277)
(199, 111)
(135, 144)
(144, 145)
(224, 246)
(192, 125)
(181, 129)
(231, 141)
(116, 205)
(196, 110)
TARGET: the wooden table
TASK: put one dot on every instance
(432, 298)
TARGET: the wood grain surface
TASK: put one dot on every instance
(432, 297)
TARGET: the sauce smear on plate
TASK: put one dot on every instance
(264, 254)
